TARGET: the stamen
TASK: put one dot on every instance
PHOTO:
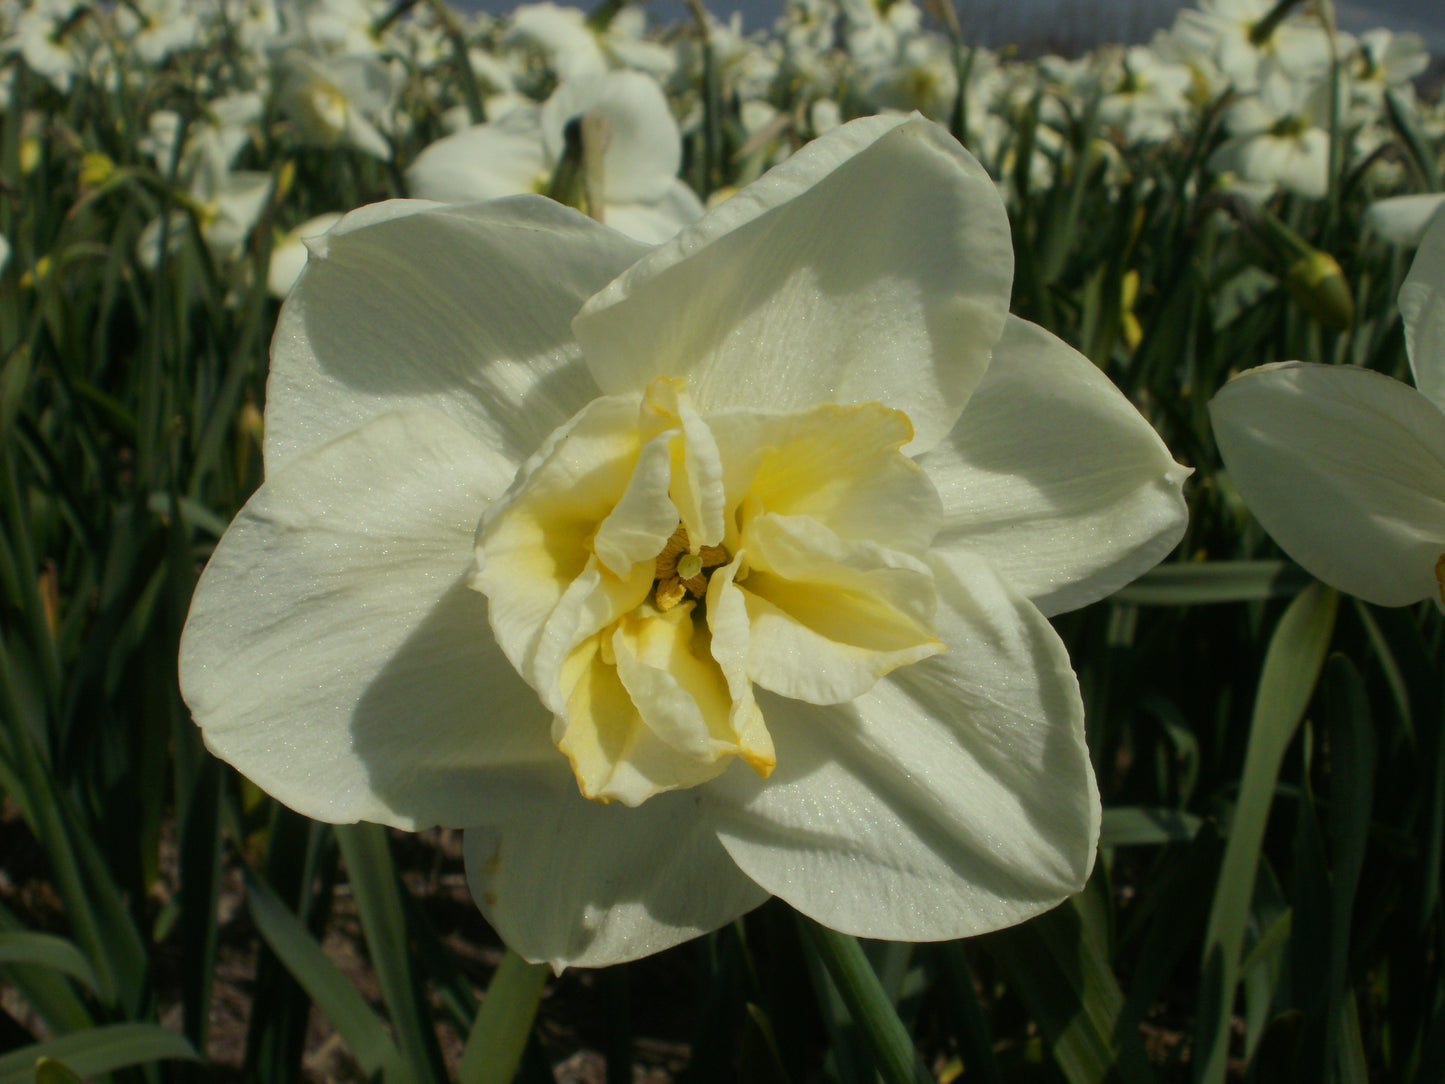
(680, 572)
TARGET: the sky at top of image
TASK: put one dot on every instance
(996, 23)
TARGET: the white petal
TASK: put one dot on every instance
(644, 518)
(334, 654)
(644, 149)
(1422, 306)
(1055, 477)
(829, 617)
(1401, 220)
(654, 223)
(486, 161)
(1346, 470)
(875, 264)
(839, 465)
(585, 884)
(953, 799)
(461, 309)
(531, 545)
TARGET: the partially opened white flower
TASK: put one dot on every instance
(641, 193)
(1345, 467)
(686, 575)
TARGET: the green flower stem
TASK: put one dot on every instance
(888, 1040)
(494, 1048)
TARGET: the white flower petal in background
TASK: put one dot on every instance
(644, 149)
(519, 152)
(288, 255)
(1422, 307)
(1401, 220)
(1345, 468)
(485, 161)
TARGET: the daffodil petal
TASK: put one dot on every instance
(727, 618)
(532, 544)
(829, 617)
(654, 223)
(839, 465)
(875, 264)
(368, 538)
(461, 309)
(1422, 307)
(620, 751)
(1055, 477)
(1345, 468)
(584, 884)
(642, 521)
(485, 161)
(954, 798)
(644, 148)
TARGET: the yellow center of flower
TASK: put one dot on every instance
(679, 572)
(651, 566)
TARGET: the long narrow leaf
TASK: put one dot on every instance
(1291, 667)
(99, 1050)
(359, 1027)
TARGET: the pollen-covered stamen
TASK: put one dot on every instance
(680, 572)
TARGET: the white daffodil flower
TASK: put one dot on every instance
(686, 575)
(333, 101)
(1345, 467)
(641, 193)
(1278, 136)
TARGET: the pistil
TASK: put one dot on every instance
(680, 572)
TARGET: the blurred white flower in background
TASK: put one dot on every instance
(523, 150)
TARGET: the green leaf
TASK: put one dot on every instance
(494, 1047)
(99, 1050)
(1198, 582)
(857, 983)
(51, 1071)
(359, 1027)
(366, 851)
(1059, 968)
(1125, 826)
(47, 950)
(1291, 667)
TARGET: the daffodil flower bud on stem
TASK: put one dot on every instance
(1312, 277)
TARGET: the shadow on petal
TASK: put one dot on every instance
(448, 731)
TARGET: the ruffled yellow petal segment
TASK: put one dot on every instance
(695, 558)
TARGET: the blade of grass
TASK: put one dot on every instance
(888, 1040)
(366, 852)
(359, 1027)
(99, 1050)
(1291, 666)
